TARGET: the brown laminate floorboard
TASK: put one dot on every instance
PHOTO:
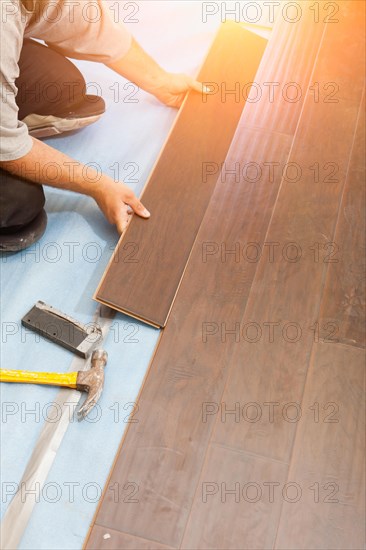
(237, 502)
(181, 184)
(164, 452)
(283, 78)
(328, 458)
(342, 315)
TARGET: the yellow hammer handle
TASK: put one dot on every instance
(50, 378)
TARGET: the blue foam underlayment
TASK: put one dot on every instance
(66, 276)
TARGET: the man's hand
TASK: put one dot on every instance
(138, 67)
(118, 202)
(173, 88)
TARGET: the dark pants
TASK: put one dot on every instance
(48, 84)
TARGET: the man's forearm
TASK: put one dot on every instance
(138, 67)
(47, 166)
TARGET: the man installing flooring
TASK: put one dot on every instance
(43, 93)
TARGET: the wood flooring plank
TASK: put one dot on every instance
(238, 502)
(328, 458)
(342, 315)
(163, 453)
(283, 78)
(350, 18)
(178, 190)
(103, 538)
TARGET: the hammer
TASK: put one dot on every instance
(90, 381)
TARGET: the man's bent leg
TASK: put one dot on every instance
(51, 99)
(52, 93)
(22, 217)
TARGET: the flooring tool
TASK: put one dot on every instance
(63, 329)
(90, 381)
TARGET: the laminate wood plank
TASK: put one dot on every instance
(342, 315)
(328, 458)
(164, 452)
(350, 18)
(238, 502)
(281, 87)
(179, 189)
(103, 538)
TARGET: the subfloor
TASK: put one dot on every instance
(249, 429)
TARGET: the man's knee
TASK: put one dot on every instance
(23, 219)
(20, 202)
(48, 82)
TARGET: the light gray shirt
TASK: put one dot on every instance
(68, 26)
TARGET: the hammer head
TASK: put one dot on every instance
(92, 381)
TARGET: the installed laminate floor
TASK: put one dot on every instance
(250, 426)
